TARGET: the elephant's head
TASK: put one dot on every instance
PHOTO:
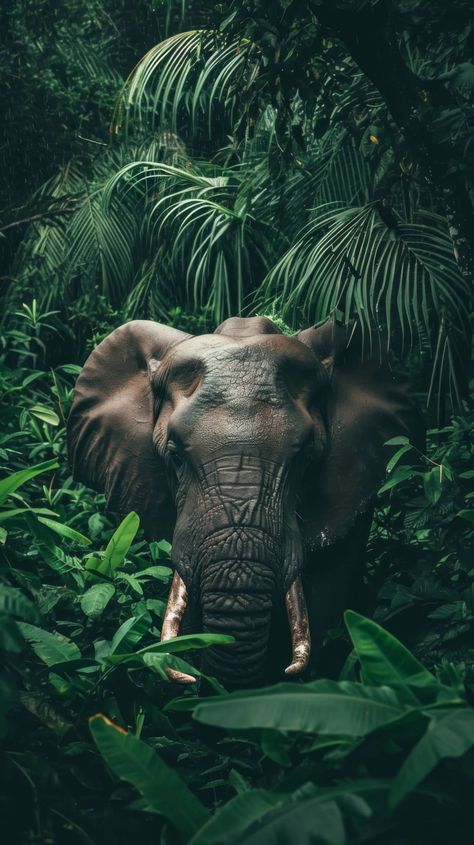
(243, 447)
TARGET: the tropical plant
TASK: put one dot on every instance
(278, 167)
(327, 725)
(377, 753)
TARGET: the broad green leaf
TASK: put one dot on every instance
(70, 369)
(96, 598)
(34, 376)
(327, 707)
(11, 639)
(275, 746)
(82, 664)
(130, 633)
(183, 703)
(61, 683)
(64, 530)
(162, 788)
(15, 603)
(156, 606)
(327, 741)
(176, 645)
(94, 562)
(398, 475)
(467, 514)
(400, 440)
(316, 821)
(383, 659)
(162, 573)
(45, 414)
(133, 582)
(117, 547)
(450, 736)
(50, 648)
(235, 817)
(10, 484)
(396, 457)
(158, 663)
(432, 484)
(160, 549)
(12, 512)
(121, 540)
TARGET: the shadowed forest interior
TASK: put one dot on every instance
(308, 162)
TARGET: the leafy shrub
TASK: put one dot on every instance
(383, 754)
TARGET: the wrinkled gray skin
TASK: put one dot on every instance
(259, 454)
(236, 448)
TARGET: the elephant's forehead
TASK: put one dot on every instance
(241, 371)
(255, 369)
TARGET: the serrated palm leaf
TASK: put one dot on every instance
(184, 79)
(202, 220)
(403, 278)
(102, 243)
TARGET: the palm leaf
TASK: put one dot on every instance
(403, 279)
(183, 79)
(203, 220)
(102, 245)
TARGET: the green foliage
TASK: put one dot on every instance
(163, 790)
(404, 278)
(372, 753)
(264, 157)
(286, 159)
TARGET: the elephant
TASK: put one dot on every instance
(258, 455)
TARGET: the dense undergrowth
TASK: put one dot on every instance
(98, 746)
(290, 158)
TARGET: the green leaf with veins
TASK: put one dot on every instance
(448, 737)
(330, 707)
(161, 786)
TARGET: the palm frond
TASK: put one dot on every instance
(403, 280)
(178, 84)
(334, 171)
(94, 64)
(204, 220)
(40, 260)
(152, 293)
(101, 247)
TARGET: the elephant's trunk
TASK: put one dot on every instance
(237, 598)
(235, 570)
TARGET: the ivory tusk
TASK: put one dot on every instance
(180, 677)
(299, 627)
(177, 602)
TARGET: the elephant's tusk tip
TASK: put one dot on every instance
(299, 627)
(180, 677)
(296, 667)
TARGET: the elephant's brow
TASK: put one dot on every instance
(180, 371)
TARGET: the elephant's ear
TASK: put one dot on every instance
(367, 404)
(110, 426)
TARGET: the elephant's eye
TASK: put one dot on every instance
(175, 454)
